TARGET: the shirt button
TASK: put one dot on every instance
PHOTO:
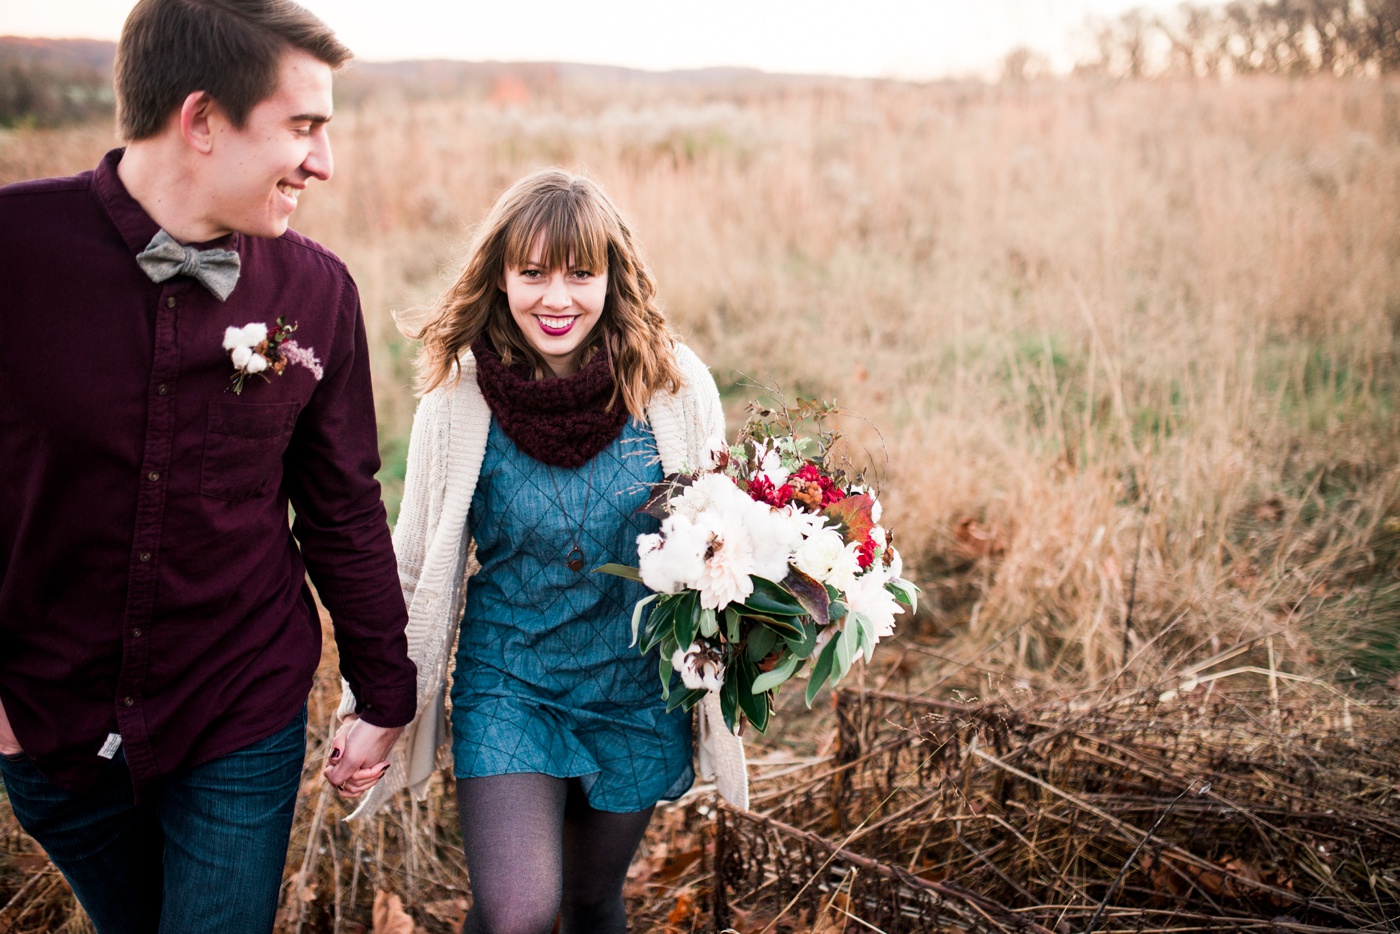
(170, 302)
(153, 476)
(145, 556)
(128, 701)
(136, 633)
(162, 389)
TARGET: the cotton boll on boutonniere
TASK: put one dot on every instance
(257, 351)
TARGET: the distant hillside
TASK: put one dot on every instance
(47, 82)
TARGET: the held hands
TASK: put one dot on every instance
(359, 756)
(9, 746)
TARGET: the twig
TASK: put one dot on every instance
(983, 905)
(1132, 857)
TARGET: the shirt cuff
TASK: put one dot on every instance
(388, 708)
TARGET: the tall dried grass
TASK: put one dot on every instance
(1131, 349)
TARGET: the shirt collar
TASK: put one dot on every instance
(131, 220)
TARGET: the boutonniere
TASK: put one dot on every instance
(257, 351)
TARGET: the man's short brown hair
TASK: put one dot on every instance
(230, 49)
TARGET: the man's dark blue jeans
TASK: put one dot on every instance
(204, 854)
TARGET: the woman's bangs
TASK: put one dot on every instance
(573, 236)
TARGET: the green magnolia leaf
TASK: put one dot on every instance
(906, 592)
(733, 623)
(845, 653)
(788, 626)
(759, 643)
(661, 624)
(637, 614)
(753, 704)
(768, 680)
(620, 570)
(687, 619)
(837, 610)
(804, 646)
(810, 593)
(685, 699)
(867, 634)
(665, 671)
(768, 599)
(821, 671)
(729, 702)
(708, 625)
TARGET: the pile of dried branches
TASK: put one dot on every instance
(1204, 810)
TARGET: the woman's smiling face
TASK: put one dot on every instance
(556, 309)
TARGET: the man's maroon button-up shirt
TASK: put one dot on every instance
(150, 584)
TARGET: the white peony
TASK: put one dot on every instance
(817, 556)
(775, 537)
(845, 569)
(730, 560)
(706, 491)
(868, 597)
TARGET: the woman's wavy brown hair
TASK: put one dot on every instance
(582, 229)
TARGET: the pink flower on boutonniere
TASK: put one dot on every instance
(255, 351)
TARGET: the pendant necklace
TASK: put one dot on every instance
(575, 558)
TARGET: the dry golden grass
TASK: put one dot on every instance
(1131, 349)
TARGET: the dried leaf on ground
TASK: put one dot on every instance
(975, 540)
(389, 916)
(450, 911)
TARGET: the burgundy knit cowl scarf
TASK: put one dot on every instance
(562, 422)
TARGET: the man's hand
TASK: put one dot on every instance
(9, 746)
(359, 756)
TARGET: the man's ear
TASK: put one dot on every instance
(195, 126)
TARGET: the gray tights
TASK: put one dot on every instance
(536, 849)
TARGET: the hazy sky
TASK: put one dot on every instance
(900, 38)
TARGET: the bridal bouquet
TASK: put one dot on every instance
(771, 558)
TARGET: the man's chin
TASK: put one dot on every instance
(269, 231)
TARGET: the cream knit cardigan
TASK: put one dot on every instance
(431, 539)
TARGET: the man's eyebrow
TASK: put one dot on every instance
(310, 118)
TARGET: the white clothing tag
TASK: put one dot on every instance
(110, 747)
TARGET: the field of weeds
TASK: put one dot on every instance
(1127, 358)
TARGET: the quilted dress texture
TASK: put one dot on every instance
(546, 679)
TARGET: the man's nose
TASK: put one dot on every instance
(319, 162)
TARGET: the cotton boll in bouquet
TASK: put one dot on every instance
(770, 557)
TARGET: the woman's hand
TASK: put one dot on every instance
(359, 756)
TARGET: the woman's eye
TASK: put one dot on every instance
(582, 274)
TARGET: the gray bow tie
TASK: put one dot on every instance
(164, 258)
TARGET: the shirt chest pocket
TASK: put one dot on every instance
(243, 448)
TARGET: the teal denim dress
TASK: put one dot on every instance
(546, 678)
